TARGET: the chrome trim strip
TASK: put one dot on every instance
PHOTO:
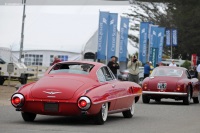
(116, 98)
(164, 93)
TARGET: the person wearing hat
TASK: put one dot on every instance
(113, 65)
(147, 70)
(172, 64)
(133, 67)
(56, 60)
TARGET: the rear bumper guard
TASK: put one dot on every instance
(164, 93)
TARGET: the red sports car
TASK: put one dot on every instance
(77, 88)
(170, 82)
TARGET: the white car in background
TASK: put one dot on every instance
(124, 75)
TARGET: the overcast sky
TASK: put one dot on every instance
(51, 27)
(68, 2)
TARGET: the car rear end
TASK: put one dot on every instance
(54, 95)
(164, 85)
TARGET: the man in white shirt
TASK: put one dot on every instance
(198, 70)
(172, 64)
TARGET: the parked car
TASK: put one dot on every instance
(124, 75)
(170, 82)
(67, 89)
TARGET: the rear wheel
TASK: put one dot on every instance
(2, 80)
(28, 116)
(187, 99)
(195, 99)
(101, 117)
(129, 113)
(145, 99)
(157, 99)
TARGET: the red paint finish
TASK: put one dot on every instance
(58, 93)
(174, 84)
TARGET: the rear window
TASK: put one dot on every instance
(171, 72)
(75, 68)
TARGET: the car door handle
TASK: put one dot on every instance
(113, 86)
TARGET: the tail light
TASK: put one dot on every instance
(135, 89)
(17, 100)
(84, 103)
(180, 87)
(144, 87)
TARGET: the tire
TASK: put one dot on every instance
(195, 99)
(2, 80)
(157, 99)
(29, 117)
(129, 113)
(145, 99)
(101, 117)
(186, 100)
(23, 80)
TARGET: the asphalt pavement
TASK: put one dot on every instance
(165, 117)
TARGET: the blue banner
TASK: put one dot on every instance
(174, 37)
(168, 37)
(152, 39)
(112, 35)
(144, 29)
(154, 52)
(124, 27)
(102, 35)
(161, 34)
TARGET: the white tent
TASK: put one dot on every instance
(92, 44)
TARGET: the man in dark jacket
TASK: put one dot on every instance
(113, 65)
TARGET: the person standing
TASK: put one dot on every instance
(133, 66)
(151, 66)
(56, 60)
(113, 65)
(147, 70)
(198, 70)
(172, 63)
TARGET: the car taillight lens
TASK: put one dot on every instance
(17, 100)
(180, 87)
(84, 103)
(144, 87)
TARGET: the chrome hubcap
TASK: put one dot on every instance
(189, 96)
(132, 109)
(104, 110)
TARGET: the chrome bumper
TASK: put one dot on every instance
(164, 93)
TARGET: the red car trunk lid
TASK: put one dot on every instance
(161, 83)
(55, 87)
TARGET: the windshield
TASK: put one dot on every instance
(172, 72)
(75, 68)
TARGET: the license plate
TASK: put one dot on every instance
(162, 86)
(51, 107)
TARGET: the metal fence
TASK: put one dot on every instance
(37, 71)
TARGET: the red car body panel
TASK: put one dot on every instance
(175, 86)
(65, 89)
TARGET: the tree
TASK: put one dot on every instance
(145, 12)
(148, 12)
(184, 15)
